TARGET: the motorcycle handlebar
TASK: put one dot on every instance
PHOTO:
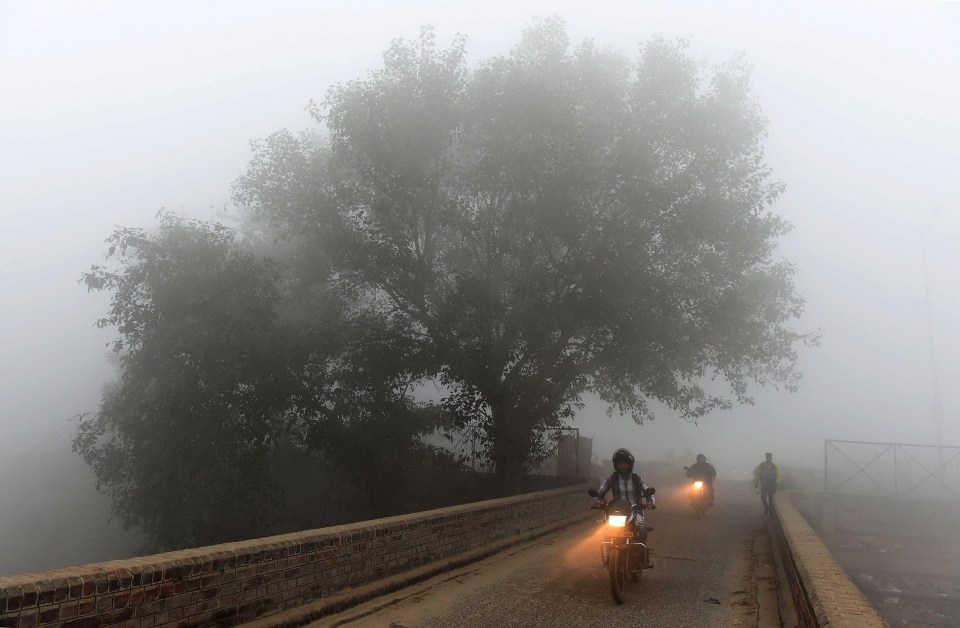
(603, 505)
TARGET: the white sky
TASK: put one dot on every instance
(111, 110)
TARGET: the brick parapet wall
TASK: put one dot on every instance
(238, 582)
(822, 593)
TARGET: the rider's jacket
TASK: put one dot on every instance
(626, 486)
(702, 471)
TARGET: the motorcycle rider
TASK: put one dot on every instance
(705, 472)
(627, 485)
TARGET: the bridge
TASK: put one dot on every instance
(531, 559)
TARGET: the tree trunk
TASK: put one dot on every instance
(510, 438)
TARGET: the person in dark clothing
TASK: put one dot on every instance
(627, 485)
(766, 477)
(703, 471)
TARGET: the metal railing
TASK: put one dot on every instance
(465, 444)
(564, 457)
(894, 469)
(567, 455)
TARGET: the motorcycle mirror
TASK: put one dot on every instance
(686, 468)
(648, 492)
(593, 492)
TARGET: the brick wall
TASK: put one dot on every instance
(234, 583)
(821, 592)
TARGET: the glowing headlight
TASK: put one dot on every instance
(617, 521)
(698, 484)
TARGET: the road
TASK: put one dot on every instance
(711, 572)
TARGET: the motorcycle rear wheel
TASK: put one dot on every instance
(617, 566)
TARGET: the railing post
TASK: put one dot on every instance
(576, 453)
(896, 473)
(829, 515)
(826, 467)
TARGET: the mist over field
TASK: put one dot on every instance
(113, 111)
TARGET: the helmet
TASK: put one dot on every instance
(622, 455)
(701, 458)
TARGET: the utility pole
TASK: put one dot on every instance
(936, 410)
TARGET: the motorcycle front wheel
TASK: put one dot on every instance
(639, 561)
(617, 566)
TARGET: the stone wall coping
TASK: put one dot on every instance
(209, 558)
(834, 598)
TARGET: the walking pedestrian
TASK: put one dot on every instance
(766, 476)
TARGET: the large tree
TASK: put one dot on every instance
(553, 222)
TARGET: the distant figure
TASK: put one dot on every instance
(703, 471)
(766, 475)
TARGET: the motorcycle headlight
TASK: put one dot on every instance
(617, 521)
(698, 484)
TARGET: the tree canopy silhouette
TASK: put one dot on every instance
(552, 222)
(181, 438)
(555, 221)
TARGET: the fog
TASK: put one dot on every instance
(113, 110)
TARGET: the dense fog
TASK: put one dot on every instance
(112, 111)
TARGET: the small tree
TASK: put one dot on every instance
(220, 361)
(181, 440)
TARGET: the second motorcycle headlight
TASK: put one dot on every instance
(617, 521)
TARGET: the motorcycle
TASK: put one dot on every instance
(624, 551)
(699, 498)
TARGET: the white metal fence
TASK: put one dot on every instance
(894, 469)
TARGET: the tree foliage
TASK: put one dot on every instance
(559, 220)
(180, 440)
(223, 363)
(555, 221)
